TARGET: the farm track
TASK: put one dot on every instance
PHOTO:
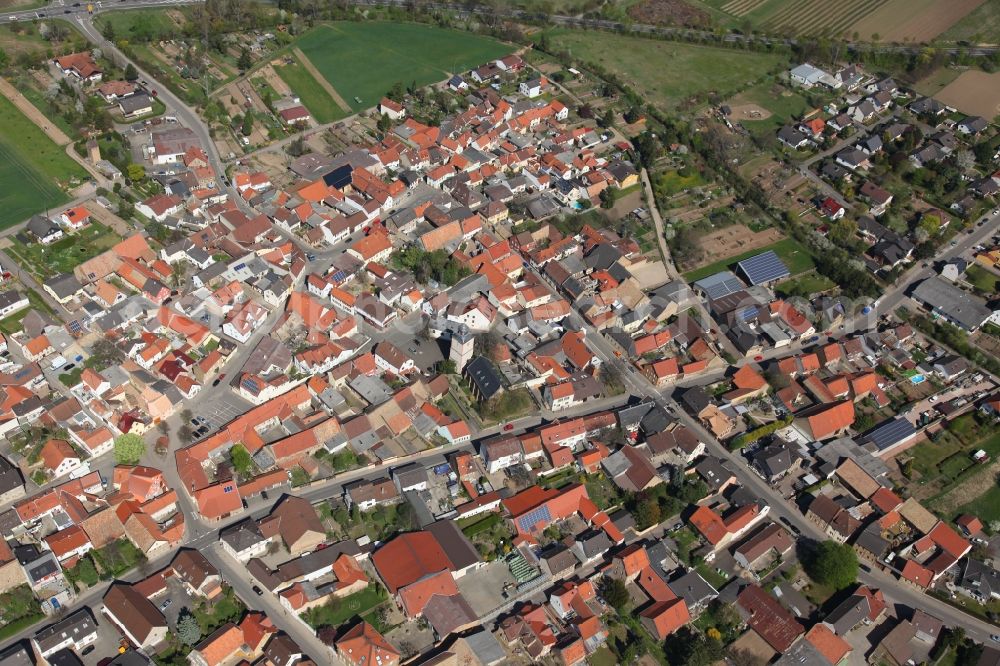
(321, 80)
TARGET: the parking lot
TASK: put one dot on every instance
(425, 353)
(220, 408)
(108, 638)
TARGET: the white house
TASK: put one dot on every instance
(456, 432)
(12, 301)
(74, 632)
(391, 108)
(389, 358)
(533, 87)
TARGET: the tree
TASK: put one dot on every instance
(396, 92)
(614, 592)
(647, 513)
(136, 172)
(448, 367)
(692, 649)
(131, 73)
(103, 354)
(128, 449)
(188, 630)
(247, 127)
(240, 457)
(607, 120)
(609, 195)
(85, 572)
(178, 271)
(833, 564)
(244, 62)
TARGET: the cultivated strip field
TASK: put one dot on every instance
(890, 20)
(820, 17)
(741, 7)
(914, 20)
(974, 92)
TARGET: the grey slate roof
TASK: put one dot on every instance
(958, 305)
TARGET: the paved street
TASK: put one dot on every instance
(236, 575)
(220, 404)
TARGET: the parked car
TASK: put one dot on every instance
(257, 590)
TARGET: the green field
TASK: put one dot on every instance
(316, 99)
(65, 254)
(32, 162)
(364, 60)
(795, 256)
(668, 73)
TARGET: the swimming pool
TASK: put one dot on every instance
(917, 379)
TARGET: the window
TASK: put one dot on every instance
(227, 489)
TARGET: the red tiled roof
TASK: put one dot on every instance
(916, 574)
(830, 645)
(949, 540)
(667, 616)
(769, 618)
(408, 558)
(831, 419)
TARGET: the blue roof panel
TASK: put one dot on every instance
(763, 268)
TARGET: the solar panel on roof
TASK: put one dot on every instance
(720, 284)
(891, 432)
(763, 268)
(534, 517)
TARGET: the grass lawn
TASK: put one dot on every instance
(363, 60)
(19, 625)
(671, 182)
(981, 279)
(806, 284)
(713, 577)
(602, 656)
(316, 99)
(339, 611)
(12, 324)
(930, 458)
(139, 24)
(66, 254)
(795, 256)
(784, 105)
(986, 507)
(35, 163)
(667, 73)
